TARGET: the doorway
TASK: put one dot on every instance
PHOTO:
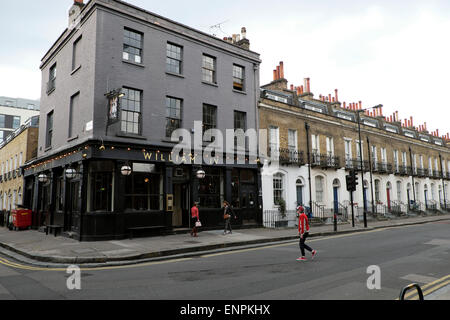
(181, 203)
(299, 193)
(336, 186)
(388, 195)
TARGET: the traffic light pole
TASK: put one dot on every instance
(353, 209)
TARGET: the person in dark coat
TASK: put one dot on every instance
(228, 214)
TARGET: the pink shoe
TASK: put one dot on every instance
(314, 253)
(302, 259)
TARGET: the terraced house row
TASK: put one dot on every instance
(313, 143)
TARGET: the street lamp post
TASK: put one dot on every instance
(361, 160)
(443, 182)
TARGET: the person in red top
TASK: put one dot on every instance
(195, 217)
(303, 231)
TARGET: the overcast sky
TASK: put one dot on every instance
(396, 53)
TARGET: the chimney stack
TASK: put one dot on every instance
(336, 95)
(244, 33)
(281, 69)
(74, 12)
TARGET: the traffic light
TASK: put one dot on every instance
(354, 177)
(352, 181)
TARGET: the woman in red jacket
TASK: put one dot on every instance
(303, 231)
(195, 217)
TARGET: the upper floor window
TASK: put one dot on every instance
(51, 85)
(174, 58)
(49, 132)
(76, 54)
(173, 116)
(315, 144)
(209, 120)
(132, 46)
(330, 146)
(238, 77)
(131, 111)
(2, 120)
(209, 69)
(240, 123)
(73, 112)
(16, 122)
(348, 149)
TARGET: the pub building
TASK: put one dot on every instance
(127, 78)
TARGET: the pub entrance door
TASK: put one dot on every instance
(181, 205)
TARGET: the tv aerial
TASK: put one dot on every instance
(218, 27)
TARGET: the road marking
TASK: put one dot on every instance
(434, 286)
(419, 278)
(14, 265)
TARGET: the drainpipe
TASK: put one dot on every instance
(443, 182)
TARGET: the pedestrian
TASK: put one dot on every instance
(228, 213)
(303, 231)
(195, 217)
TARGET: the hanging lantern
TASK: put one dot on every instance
(71, 173)
(201, 174)
(126, 171)
(43, 178)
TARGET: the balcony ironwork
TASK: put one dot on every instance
(382, 167)
(325, 161)
(291, 157)
(421, 173)
(436, 174)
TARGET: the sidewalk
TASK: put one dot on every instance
(36, 248)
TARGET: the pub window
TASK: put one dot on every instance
(174, 58)
(132, 46)
(235, 189)
(173, 115)
(59, 193)
(238, 78)
(211, 189)
(100, 186)
(144, 191)
(131, 111)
